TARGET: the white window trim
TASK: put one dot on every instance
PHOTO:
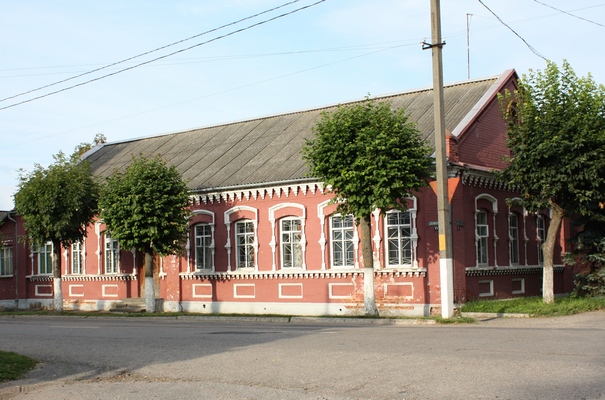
(282, 244)
(227, 220)
(303, 239)
(236, 246)
(513, 242)
(210, 247)
(51, 258)
(80, 249)
(3, 263)
(353, 242)
(413, 239)
(105, 251)
(188, 244)
(494, 212)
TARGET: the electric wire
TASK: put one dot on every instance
(533, 50)
(164, 56)
(570, 14)
(149, 52)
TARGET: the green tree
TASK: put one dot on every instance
(146, 208)
(556, 134)
(371, 156)
(57, 204)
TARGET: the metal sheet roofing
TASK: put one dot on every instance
(267, 150)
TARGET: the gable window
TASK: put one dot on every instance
(481, 238)
(399, 238)
(203, 247)
(244, 244)
(513, 236)
(291, 248)
(77, 260)
(45, 264)
(541, 235)
(112, 252)
(6, 261)
(342, 241)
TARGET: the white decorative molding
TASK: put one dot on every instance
(227, 196)
(303, 238)
(71, 291)
(227, 220)
(322, 238)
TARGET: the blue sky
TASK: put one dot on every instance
(336, 51)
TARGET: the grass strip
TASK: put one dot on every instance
(14, 366)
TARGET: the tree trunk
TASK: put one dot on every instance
(57, 286)
(367, 259)
(149, 287)
(548, 251)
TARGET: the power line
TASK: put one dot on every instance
(533, 50)
(415, 43)
(195, 60)
(149, 52)
(568, 13)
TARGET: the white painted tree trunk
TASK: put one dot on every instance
(58, 290)
(369, 296)
(548, 250)
(149, 295)
(57, 287)
(149, 286)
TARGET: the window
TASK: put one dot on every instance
(399, 241)
(76, 258)
(342, 241)
(513, 235)
(291, 248)
(244, 244)
(541, 233)
(45, 264)
(203, 247)
(6, 261)
(112, 252)
(481, 238)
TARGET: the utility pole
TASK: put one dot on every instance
(443, 210)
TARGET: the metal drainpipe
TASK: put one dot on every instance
(15, 268)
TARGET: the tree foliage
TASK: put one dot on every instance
(370, 155)
(556, 134)
(58, 202)
(145, 207)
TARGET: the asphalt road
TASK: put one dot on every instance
(199, 358)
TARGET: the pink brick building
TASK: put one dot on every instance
(263, 238)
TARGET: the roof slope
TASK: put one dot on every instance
(267, 150)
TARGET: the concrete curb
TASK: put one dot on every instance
(479, 315)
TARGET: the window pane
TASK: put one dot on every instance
(203, 246)
(399, 243)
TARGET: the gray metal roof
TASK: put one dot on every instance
(267, 150)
